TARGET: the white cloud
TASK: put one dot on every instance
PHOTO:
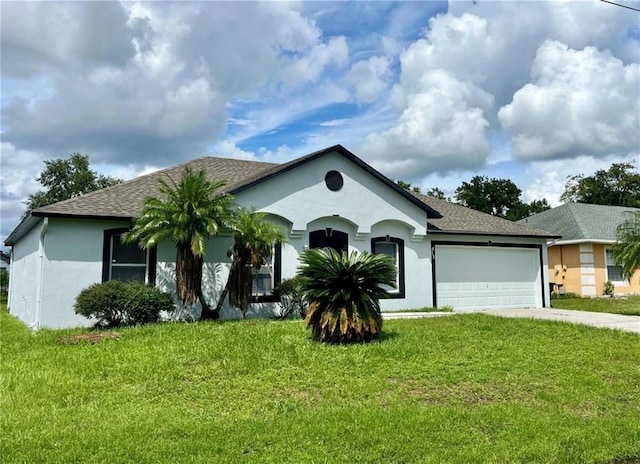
(38, 36)
(439, 130)
(369, 78)
(310, 66)
(580, 102)
(165, 94)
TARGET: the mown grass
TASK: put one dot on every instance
(465, 388)
(629, 305)
(427, 309)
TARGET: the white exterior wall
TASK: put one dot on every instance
(364, 208)
(44, 283)
(73, 261)
(23, 277)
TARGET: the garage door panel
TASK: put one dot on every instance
(483, 277)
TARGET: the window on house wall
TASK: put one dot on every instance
(394, 248)
(268, 276)
(126, 262)
(614, 272)
(329, 238)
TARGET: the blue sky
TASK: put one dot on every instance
(428, 92)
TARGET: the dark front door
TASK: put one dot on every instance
(329, 238)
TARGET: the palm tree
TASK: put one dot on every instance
(254, 240)
(343, 292)
(190, 213)
(626, 251)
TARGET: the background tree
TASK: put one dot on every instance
(253, 241)
(626, 251)
(408, 186)
(617, 186)
(435, 192)
(191, 212)
(4, 281)
(498, 197)
(491, 196)
(343, 292)
(67, 178)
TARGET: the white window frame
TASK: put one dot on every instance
(623, 282)
(112, 264)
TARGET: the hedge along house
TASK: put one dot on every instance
(582, 261)
(445, 254)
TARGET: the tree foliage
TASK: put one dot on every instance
(189, 214)
(626, 251)
(343, 291)
(408, 186)
(253, 241)
(67, 178)
(617, 186)
(438, 193)
(498, 197)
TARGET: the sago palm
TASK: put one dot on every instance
(253, 242)
(189, 215)
(627, 251)
(343, 291)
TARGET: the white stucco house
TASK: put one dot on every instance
(446, 254)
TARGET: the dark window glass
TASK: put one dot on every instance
(329, 238)
(126, 254)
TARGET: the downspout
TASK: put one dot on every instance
(40, 277)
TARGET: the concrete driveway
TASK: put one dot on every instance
(602, 320)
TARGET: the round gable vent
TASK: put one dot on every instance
(334, 181)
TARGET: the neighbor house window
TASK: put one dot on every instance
(126, 262)
(267, 277)
(614, 272)
(394, 248)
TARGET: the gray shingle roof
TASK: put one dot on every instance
(460, 219)
(580, 221)
(125, 200)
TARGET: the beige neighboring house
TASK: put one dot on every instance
(582, 261)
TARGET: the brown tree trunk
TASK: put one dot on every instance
(222, 297)
(189, 277)
(241, 280)
(207, 312)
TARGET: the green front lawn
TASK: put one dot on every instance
(463, 388)
(629, 305)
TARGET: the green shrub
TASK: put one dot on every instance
(343, 291)
(608, 289)
(115, 303)
(292, 298)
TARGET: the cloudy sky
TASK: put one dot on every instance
(428, 92)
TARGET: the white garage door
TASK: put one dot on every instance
(471, 277)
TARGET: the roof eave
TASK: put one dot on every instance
(102, 217)
(494, 234)
(21, 229)
(583, 240)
